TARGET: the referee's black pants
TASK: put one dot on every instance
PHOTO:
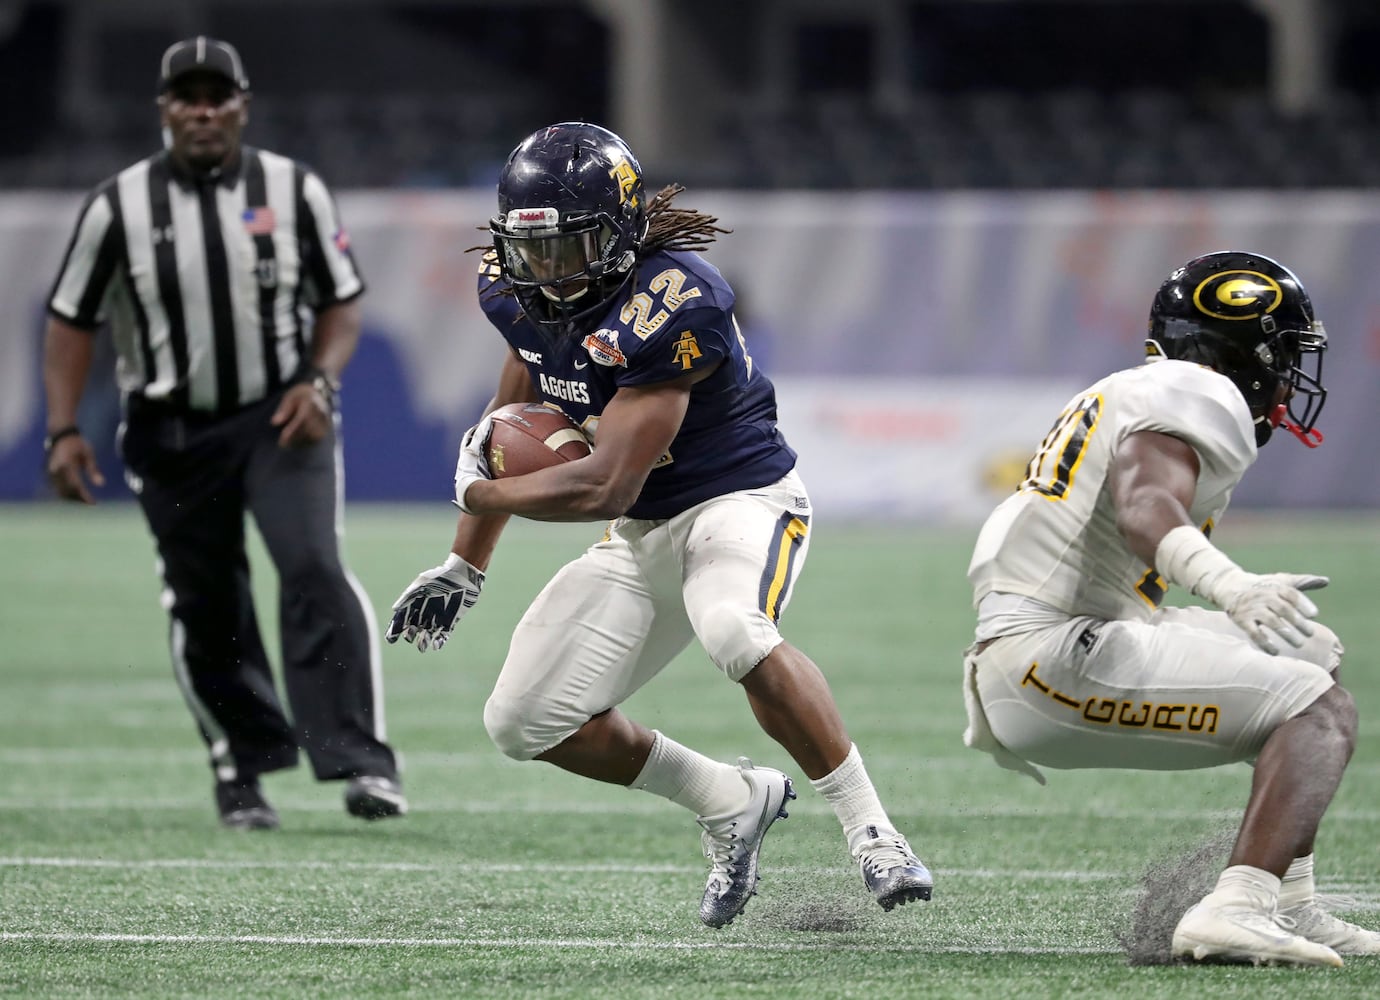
(196, 476)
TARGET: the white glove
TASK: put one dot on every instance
(1266, 607)
(433, 604)
(472, 465)
(1269, 606)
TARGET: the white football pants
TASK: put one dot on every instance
(608, 622)
(1186, 689)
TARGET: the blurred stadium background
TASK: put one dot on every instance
(947, 214)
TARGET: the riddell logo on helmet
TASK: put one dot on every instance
(532, 218)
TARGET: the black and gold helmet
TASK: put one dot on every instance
(1248, 317)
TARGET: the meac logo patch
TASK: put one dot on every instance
(1238, 295)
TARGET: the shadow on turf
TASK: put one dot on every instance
(1167, 889)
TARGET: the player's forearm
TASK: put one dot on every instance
(572, 491)
(476, 537)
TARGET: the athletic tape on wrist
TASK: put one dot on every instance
(1185, 557)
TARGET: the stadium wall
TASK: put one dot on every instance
(922, 343)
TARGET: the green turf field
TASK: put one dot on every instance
(515, 880)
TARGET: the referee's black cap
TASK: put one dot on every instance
(201, 55)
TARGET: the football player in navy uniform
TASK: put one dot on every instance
(611, 315)
(1077, 665)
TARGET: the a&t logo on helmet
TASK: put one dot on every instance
(626, 177)
(1238, 295)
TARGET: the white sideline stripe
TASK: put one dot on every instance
(596, 944)
(650, 805)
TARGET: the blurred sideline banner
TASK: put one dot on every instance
(921, 341)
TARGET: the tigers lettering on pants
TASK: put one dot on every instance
(1177, 692)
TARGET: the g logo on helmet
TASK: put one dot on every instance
(1238, 295)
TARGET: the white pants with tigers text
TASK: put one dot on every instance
(610, 621)
(1186, 689)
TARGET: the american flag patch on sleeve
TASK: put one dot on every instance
(259, 221)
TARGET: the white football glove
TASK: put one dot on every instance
(472, 465)
(1269, 606)
(433, 604)
(1266, 607)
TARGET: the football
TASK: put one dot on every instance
(531, 436)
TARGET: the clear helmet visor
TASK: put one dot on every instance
(539, 252)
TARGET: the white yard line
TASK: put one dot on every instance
(647, 805)
(596, 944)
(601, 868)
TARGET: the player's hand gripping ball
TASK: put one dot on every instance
(531, 436)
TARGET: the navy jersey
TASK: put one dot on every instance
(673, 318)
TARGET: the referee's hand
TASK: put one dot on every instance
(304, 416)
(71, 464)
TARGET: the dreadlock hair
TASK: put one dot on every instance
(671, 228)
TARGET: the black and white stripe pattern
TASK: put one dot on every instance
(209, 306)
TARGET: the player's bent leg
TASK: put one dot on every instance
(794, 706)
(1296, 775)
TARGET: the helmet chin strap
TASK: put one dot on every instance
(1279, 418)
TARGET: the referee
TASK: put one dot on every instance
(227, 282)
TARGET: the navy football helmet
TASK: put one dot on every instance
(1248, 317)
(572, 215)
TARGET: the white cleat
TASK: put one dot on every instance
(732, 843)
(1311, 921)
(1240, 927)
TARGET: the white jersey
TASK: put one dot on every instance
(1056, 539)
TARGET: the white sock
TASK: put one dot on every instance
(1297, 886)
(1245, 880)
(849, 790)
(705, 787)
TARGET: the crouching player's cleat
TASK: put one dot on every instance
(732, 843)
(890, 869)
(1311, 921)
(1242, 927)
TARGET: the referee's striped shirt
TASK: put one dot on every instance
(209, 286)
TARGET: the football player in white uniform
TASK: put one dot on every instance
(1075, 663)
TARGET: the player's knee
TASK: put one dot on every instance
(1323, 648)
(734, 639)
(511, 728)
(1337, 710)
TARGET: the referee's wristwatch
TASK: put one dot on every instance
(51, 439)
(326, 384)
